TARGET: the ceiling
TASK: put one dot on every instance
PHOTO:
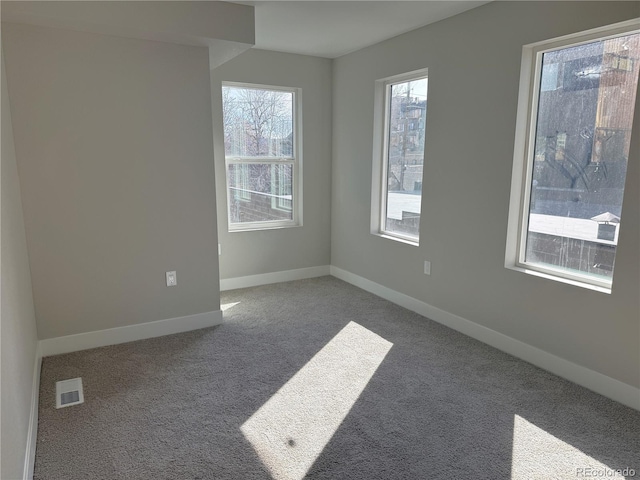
(333, 28)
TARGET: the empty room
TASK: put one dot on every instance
(320, 240)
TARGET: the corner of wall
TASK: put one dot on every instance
(32, 434)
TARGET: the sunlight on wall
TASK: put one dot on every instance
(290, 431)
(539, 455)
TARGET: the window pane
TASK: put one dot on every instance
(260, 192)
(583, 132)
(257, 123)
(405, 156)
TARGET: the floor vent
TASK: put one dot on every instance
(69, 392)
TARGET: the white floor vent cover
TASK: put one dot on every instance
(69, 392)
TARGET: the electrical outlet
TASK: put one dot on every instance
(172, 279)
(427, 267)
(219, 250)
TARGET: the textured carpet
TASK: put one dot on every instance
(322, 379)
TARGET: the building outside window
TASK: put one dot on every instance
(575, 118)
(401, 108)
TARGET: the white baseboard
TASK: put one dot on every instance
(274, 277)
(129, 333)
(32, 434)
(597, 382)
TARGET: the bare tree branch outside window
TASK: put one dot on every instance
(259, 146)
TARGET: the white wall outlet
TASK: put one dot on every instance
(219, 250)
(172, 279)
(427, 267)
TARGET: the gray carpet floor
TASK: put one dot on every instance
(318, 379)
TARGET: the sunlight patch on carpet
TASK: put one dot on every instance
(539, 455)
(293, 427)
(226, 306)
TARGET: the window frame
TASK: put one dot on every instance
(524, 154)
(276, 200)
(295, 161)
(381, 134)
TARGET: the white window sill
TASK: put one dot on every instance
(256, 227)
(405, 240)
(556, 278)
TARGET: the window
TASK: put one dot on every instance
(399, 140)
(261, 139)
(241, 189)
(573, 133)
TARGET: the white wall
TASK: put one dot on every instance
(266, 251)
(17, 324)
(474, 64)
(115, 155)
